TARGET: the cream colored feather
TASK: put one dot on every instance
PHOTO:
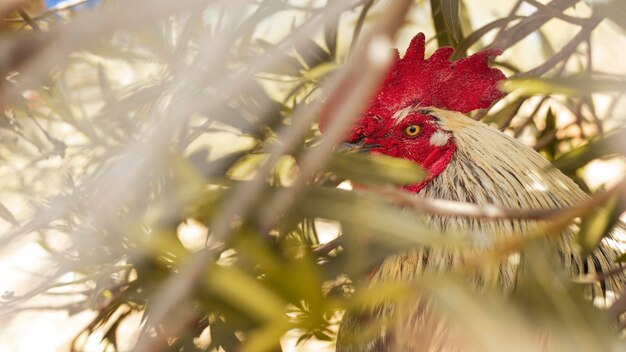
(488, 167)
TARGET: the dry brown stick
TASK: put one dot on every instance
(476, 35)
(510, 36)
(556, 13)
(519, 129)
(555, 227)
(565, 52)
(561, 216)
(467, 210)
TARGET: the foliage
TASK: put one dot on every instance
(126, 126)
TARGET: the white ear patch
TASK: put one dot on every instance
(439, 139)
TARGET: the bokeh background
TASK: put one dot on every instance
(133, 135)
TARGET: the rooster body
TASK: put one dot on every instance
(467, 161)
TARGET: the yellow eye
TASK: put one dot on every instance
(412, 130)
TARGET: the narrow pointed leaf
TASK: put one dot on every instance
(376, 169)
(6, 214)
(597, 225)
(450, 12)
(611, 144)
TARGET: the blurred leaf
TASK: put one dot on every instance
(480, 33)
(486, 320)
(597, 225)
(166, 242)
(283, 63)
(546, 47)
(371, 215)
(572, 85)
(376, 169)
(320, 71)
(330, 34)
(6, 214)
(265, 339)
(615, 10)
(608, 145)
(554, 305)
(112, 331)
(223, 336)
(382, 292)
(239, 289)
(311, 53)
(503, 117)
(276, 269)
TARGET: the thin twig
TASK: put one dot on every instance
(444, 207)
(556, 13)
(559, 217)
(567, 50)
(561, 220)
(359, 23)
(510, 36)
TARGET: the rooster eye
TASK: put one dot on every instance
(412, 130)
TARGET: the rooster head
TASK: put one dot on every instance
(408, 116)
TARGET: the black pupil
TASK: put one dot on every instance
(412, 129)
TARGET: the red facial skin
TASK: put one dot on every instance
(463, 85)
(389, 137)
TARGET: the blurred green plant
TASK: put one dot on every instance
(123, 125)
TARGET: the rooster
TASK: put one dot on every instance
(418, 114)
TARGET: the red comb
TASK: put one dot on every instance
(463, 85)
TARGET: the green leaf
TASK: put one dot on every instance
(374, 215)
(223, 336)
(283, 63)
(265, 339)
(621, 258)
(597, 225)
(571, 85)
(450, 11)
(445, 14)
(276, 270)
(503, 117)
(610, 144)
(246, 292)
(549, 149)
(364, 168)
(311, 53)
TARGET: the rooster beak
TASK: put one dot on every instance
(356, 147)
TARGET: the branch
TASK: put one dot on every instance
(566, 52)
(444, 207)
(509, 37)
(561, 219)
